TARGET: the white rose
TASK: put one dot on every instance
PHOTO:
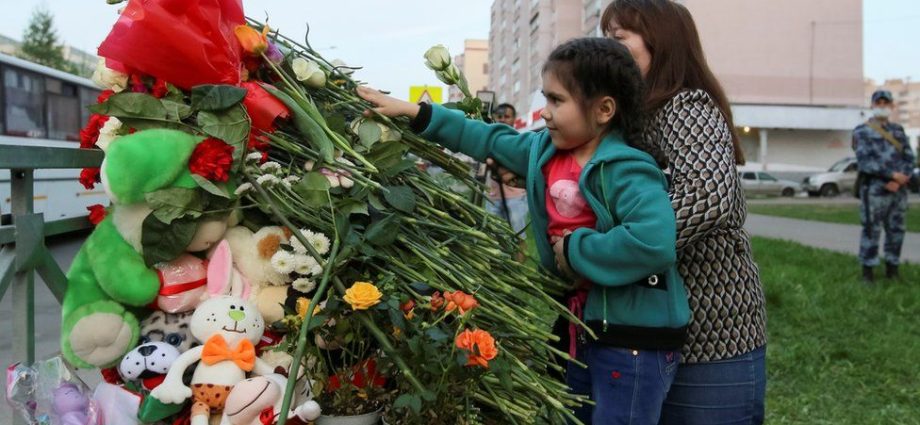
(449, 76)
(437, 58)
(108, 133)
(108, 78)
(342, 67)
(309, 72)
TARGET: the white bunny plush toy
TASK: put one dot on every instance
(228, 326)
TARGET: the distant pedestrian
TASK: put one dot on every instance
(507, 201)
(886, 163)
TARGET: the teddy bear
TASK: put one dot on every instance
(110, 277)
(252, 255)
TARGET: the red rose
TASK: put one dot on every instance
(89, 177)
(212, 160)
(90, 134)
(96, 213)
(159, 89)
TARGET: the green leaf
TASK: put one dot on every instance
(176, 111)
(335, 122)
(383, 232)
(376, 202)
(351, 206)
(210, 186)
(368, 132)
(148, 123)
(436, 334)
(170, 204)
(400, 197)
(165, 242)
(386, 155)
(131, 105)
(231, 126)
(211, 97)
(411, 401)
(313, 188)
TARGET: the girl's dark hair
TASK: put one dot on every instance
(678, 62)
(594, 67)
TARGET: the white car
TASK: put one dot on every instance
(841, 177)
(761, 183)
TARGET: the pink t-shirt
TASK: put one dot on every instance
(565, 205)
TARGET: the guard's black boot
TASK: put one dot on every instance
(891, 271)
(868, 276)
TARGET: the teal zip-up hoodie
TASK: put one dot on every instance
(638, 299)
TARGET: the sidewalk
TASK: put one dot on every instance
(835, 237)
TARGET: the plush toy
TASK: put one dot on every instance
(172, 329)
(148, 364)
(110, 272)
(257, 401)
(252, 254)
(71, 406)
(182, 283)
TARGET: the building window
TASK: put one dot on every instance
(87, 97)
(24, 95)
(63, 110)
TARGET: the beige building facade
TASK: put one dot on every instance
(474, 62)
(906, 99)
(792, 69)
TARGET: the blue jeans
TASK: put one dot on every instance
(517, 211)
(627, 386)
(723, 392)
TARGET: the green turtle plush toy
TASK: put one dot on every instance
(111, 277)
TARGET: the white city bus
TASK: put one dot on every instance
(41, 106)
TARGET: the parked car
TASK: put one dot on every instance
(841, 177)
(761, 183)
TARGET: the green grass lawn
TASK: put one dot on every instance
(838, 352)
(845, 214)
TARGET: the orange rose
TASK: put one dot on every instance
(252, 41)
(460, 300)
(437, 301)
(479, 344)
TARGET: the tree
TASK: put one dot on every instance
(40, 42)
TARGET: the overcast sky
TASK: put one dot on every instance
(389, 38)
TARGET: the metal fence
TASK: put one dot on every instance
(22, 243)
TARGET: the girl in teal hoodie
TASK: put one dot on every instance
(600, 209)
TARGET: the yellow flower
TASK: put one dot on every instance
(252, 41)
(302, 305)
(362, 296)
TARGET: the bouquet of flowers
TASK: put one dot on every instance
(395, 294)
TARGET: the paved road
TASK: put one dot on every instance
(835, 237)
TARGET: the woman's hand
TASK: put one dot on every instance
(387, 105)
(559, 250)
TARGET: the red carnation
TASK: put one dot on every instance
(89, 177)
(90, 134)
(96, 213)
(159, 89)
(104, 96)
(212, 160)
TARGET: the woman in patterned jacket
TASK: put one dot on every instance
(723, 377)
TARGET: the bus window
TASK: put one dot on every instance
(87, 97)
(24, 98)
(63, 110)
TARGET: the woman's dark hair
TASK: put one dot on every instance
(678, 62)
(593, 67)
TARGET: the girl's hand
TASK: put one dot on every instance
(559, 250)
(387, 105)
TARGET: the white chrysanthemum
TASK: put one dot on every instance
(268, 180)
(243, 188)
(290, 181)
(254, 157)
(270, 167)
(317, 270)
(283, 262)
(304, 285)
(303, 264)
(320, 242)
(295, 243)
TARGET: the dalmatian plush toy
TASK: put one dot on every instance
(148, 364)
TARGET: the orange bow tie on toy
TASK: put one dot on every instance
(217, 350)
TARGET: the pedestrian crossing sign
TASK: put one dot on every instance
(428, 94)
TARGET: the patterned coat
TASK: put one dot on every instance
(728, 316)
